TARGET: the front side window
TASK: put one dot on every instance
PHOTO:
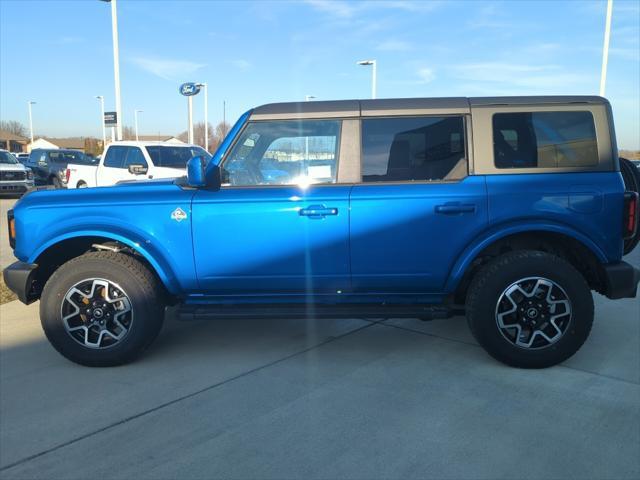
(291, 152)
(116, 156)
(544, 140)
(174, 157)
(413, 149)
(134, 157)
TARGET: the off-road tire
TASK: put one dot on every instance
(142, 288)
(631, 177)
(494, 278)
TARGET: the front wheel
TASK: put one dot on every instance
(101, 309)
(530, 309)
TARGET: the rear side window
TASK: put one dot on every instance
(115, 157)
(413, 149)
(544, 140)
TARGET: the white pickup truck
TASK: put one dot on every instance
(123, 161)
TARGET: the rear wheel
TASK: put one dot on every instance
(530, 309)
(101, 309)
(81, 184)
(55, 181)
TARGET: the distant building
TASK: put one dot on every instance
(72, 143)
(159, 138)
(12, 142)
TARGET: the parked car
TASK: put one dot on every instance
(636, 163)
(22, 157)
(130, 161)
(50, 165)
(511, 210)
(14, 177)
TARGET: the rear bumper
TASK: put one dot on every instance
(19, 277)
(621, 280)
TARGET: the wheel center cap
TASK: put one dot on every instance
(532, 312)
(98, 313)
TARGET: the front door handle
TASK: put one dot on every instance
(455, 208)
(317, 211)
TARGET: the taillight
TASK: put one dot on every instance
(67, 175)
(631, 214)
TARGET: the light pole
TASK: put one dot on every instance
(31, 119)
(116, 64)
(605, 48)
(374, 75)
(104, 129)
(307, 98)
(206, 116)
(135, 114)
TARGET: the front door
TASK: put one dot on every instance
(280, 222)
(416, 208)
(115, 167)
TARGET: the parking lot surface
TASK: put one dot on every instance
(395, 398)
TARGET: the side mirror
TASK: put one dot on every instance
(196, 172)
(137, 169)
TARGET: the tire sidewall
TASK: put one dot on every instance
(483, 316)
(146, 313)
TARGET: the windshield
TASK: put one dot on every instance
(175, 156)
(6, 157)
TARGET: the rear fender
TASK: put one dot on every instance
(502, 231)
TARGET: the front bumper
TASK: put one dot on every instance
(621, 280)
(20, 278)
(16, 187)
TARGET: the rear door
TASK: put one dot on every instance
(416, 207)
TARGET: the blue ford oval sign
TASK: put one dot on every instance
(188, 89)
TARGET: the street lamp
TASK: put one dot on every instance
(206, 116)
(104, 129)
(116, 64)
(135, 114)
(31, 119)
(605, 48)
(374, 78)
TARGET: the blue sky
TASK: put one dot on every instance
(59, 54)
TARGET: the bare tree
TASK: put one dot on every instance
(216, 135)
(128, 133)
(14, 127)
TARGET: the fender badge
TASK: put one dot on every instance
(178, 215)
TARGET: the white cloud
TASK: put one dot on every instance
(495, 76)
(241, 64)
(426, 75)
(394, 46)
(168, 69)
(333, 7)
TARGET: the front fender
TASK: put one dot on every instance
(499, 232)
(141, 246)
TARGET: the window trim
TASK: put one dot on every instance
(224, 158)
(466, 130)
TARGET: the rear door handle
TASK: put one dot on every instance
(455, 208)
(317, 211)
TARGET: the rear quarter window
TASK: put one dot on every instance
(544, 140)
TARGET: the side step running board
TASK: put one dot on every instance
(423, 312)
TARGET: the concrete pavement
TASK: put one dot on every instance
(321, 399)
(6, 254)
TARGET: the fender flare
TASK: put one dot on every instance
(151, 255)
(498, 232)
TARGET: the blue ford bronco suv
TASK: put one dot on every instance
(510, 210)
